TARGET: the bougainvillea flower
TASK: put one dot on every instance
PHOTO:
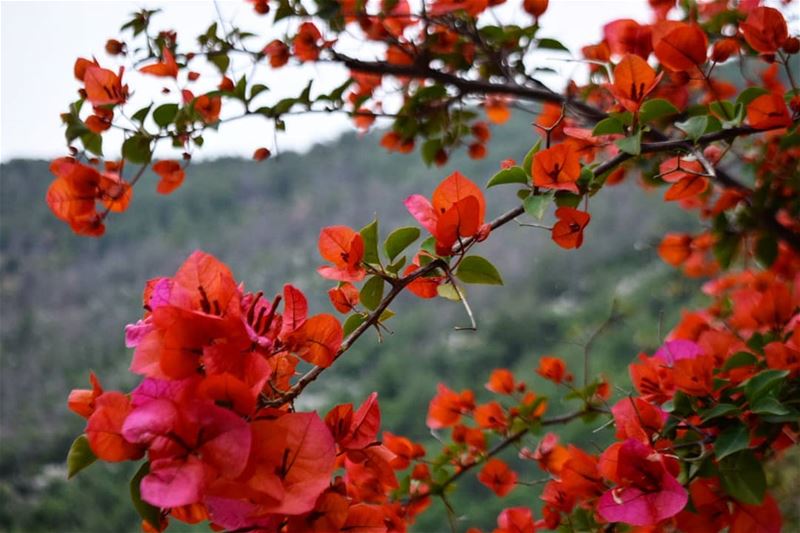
(516, 519)
(359, 429)
(553, 369)
(675, 248)
(550, 454)
(580, 476)
(73, 194)
(490, 416)
(208, 107)
(404, 450)
(647, 490)
(626, 36)
(652, 379)
(762, 518)
(501, 381)
(557, 168)
(103, 87)
(768, 111)
(100, 120)
(497, 110)
(709, 509)
(171, 173)
(687, 176)
(457, 210)
(680, 47)
(104, 429)
(278, 53)
(344, 247)
(447, 406)
(167, 67)
(308, 42)
(634, 79)
(425, 286)
(694, 376)
(82, 401)
(344, 297)
(637, 419)
(724, 49)
(496, 475)
(318, 340)
(675, 350)
(765, 29)
(568, 231)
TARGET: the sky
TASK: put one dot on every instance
(39, 42)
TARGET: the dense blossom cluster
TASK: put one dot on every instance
(214, 416)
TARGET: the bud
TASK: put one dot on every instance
(193, 75)
(261, 7)
(477, 151)
(261, 154)
(535, 7)
(723, 49)
(441, 157)
(187, 156)
(114, 47)
(791, 45)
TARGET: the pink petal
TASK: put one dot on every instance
(134, 333)
(676, 350)
(421, 209)
(172, 483)
(632, 506)
(153, 419)
(226, 440)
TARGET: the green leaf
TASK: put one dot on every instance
(148, 512)
(609, 126)
(655, 109)
(372, 293)
(508, 175)
(80, 456)
(536, 205)
(694, 127)
(769, 406)
(257, 89)
(567, 199)
(743, 477)
(448, 291)
(141, 115)
(630, 145)
(722, 409)
(165, 114)
(766, 250)
(750, 94)
(369, 234)
(740, 359)
(734, 439)
(352, 322)
(429, 150)
(527, 163)
(551, 44)
(221, 61)
(763, 384)
(93, 142)
(399, 240)
(136, 149)
(476, 269)
(723, 109)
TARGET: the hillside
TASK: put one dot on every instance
(65, 301)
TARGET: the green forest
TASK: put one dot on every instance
(66, 300)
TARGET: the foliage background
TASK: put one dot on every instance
(66, 299)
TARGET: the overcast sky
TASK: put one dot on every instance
(41, 40)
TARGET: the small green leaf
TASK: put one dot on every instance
(136, 149)
(722, 409)
(551, 44)
(148, 512)
(655, 109)
(769, 406)
(93, 142)
(395, 267)
(630, 145)
(369, 234)
(763, 384)
(743, 477)
(750, 94)
(399, 240)
(609, 126)
(766, 250)
(221, 61)
(386, 315)
(723, 109)
(536, 205)
(508, 175)
(739, 359)
(372, 293)
(734, 439)
(527, 163)
(257, 89)
(352, 322)
(567, 199)
(165, 114)
(476, 269)
(80, 456)
(448, 291)
(141, 115)
(694, 127)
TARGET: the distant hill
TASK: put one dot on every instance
(66, 299)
